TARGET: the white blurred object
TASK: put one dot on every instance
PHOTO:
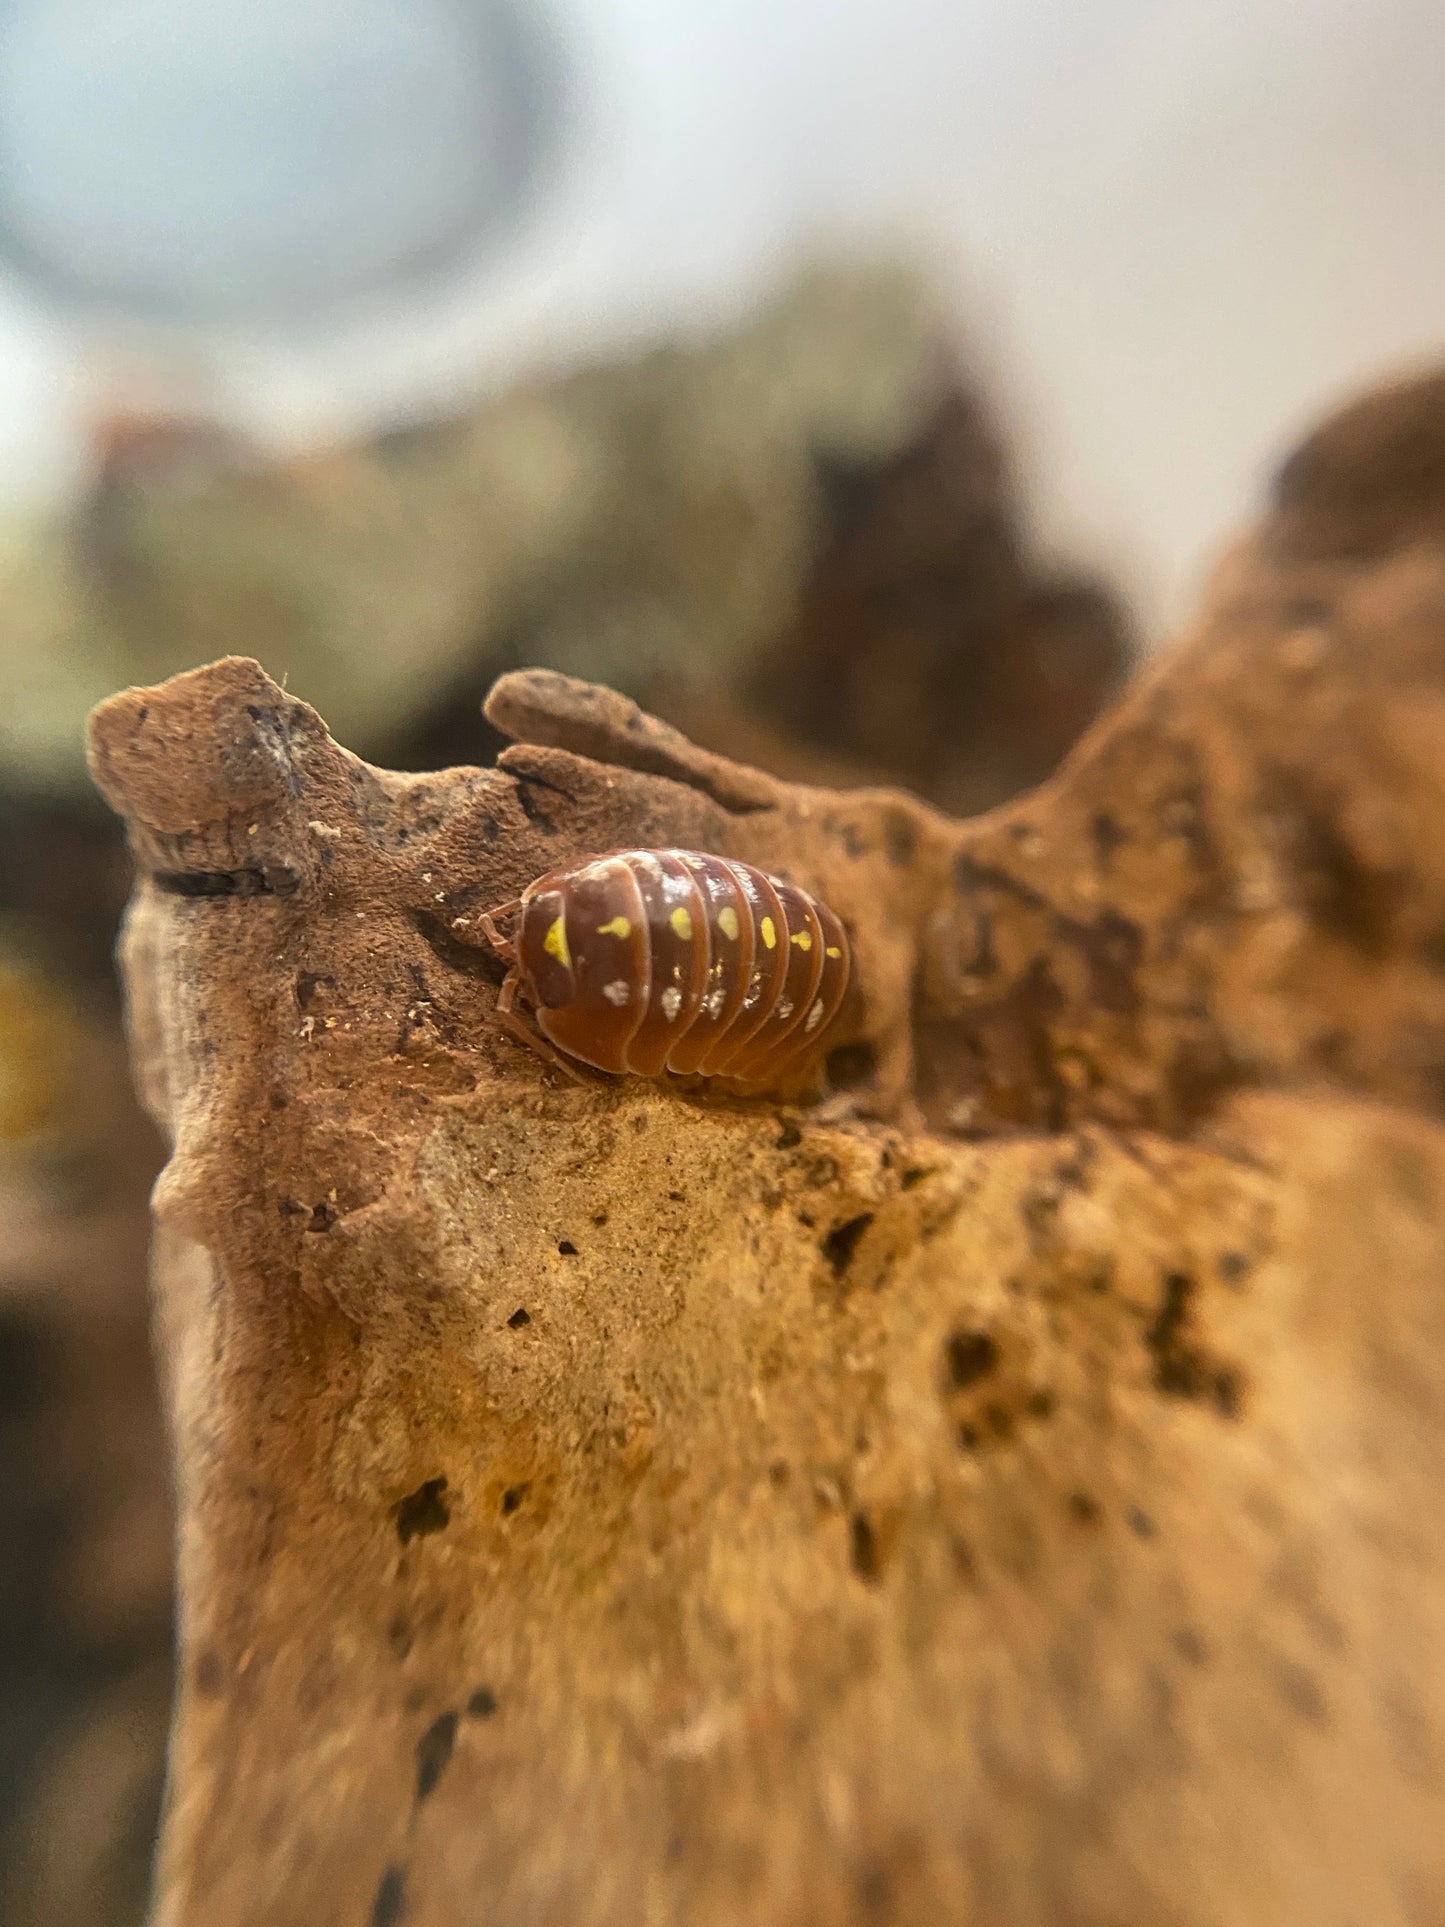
(223, 164)
(1177, 233)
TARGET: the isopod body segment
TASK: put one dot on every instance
(655, 961)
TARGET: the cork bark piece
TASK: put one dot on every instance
(1008, 1491)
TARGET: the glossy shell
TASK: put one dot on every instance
(651, 961)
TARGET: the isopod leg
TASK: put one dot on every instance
(503, 946)
(526, 1034)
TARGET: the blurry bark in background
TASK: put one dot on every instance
(725, 522)
(930, 644)
(85, 1527)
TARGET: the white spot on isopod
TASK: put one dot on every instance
(814, 1016)
(616, 992)
(671, 1001)
(784, 1010)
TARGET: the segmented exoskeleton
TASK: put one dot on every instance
(656, 961)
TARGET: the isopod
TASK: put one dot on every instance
(655, 961)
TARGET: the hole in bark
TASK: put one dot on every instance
(1176, 1366)
(423, 1511)
(842, 1241)
(521, 1316)
(1182, 1369)
(566, 1247)
(433, 1750)
(513, 1497)
(482, 1704)
(969, 1357)
(1084, 1507)
(863, 1548)
(390, 1903)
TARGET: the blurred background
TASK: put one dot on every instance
(860, 386)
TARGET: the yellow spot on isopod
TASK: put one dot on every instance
(770, 935)
(803, 939)
(619, 927)
(681, 923)
(727, 922)
(555, 943)
(832, 951)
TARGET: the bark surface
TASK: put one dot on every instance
(1013, 1495)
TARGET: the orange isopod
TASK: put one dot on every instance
(655, 961)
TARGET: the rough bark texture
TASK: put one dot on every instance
(737, 530)
(1013, 1498)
